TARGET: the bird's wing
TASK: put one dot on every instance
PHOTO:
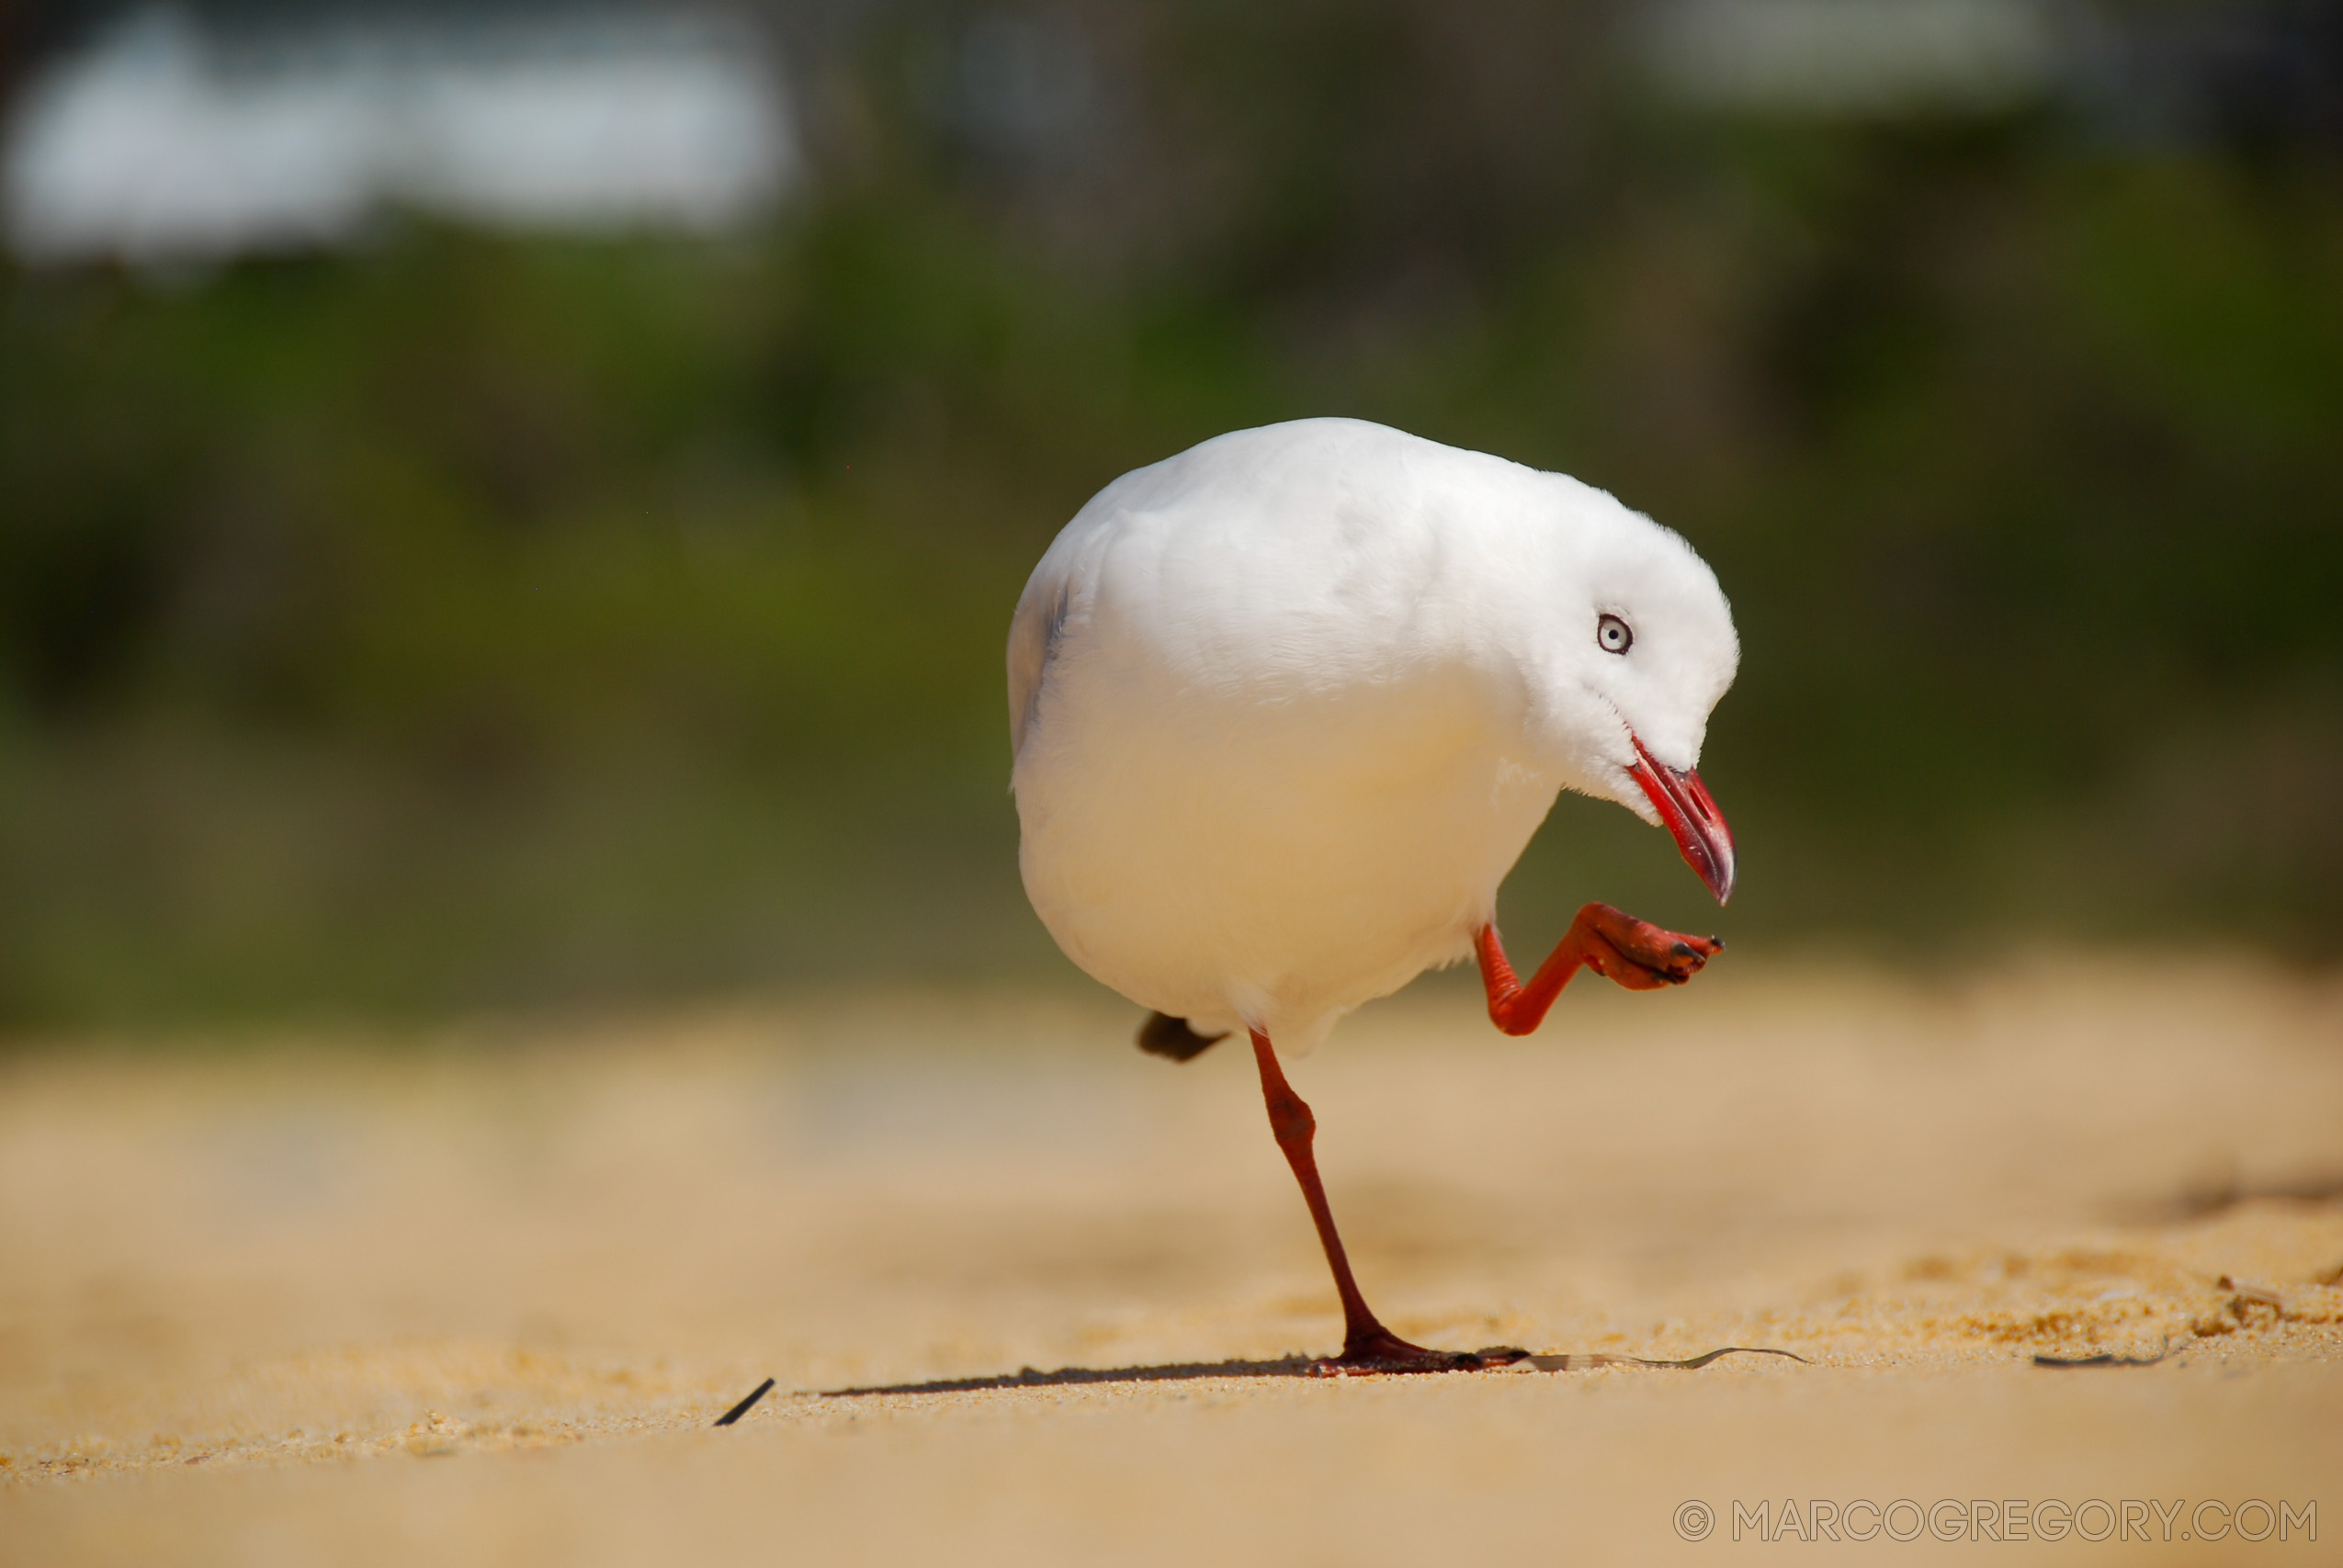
(1033, 637)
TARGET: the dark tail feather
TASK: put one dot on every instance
(1163, 1035)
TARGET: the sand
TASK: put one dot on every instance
(478, 1297)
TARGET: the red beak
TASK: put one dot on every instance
(1683, 804)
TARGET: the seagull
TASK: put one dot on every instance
(1286, 708)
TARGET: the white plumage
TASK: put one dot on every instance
(1287, 706)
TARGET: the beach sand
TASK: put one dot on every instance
(479, 1296)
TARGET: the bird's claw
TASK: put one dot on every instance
(1642, 956)
(1386, 1353)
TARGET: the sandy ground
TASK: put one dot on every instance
(478, 1298)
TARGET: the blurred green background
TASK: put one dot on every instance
(471, 619)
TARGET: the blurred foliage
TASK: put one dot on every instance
(479, 621)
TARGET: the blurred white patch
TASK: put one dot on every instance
(161, 144)
(1860, 57)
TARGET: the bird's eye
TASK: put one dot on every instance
(1614, 634)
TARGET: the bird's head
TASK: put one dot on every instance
(1638, 646)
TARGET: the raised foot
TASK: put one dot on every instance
(1640, 955)
(1384, 1351)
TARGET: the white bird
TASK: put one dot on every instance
(1287, 709)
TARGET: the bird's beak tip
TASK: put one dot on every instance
(1684, 807)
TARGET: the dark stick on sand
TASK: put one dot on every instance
(2107, 1359)
(746, 1405)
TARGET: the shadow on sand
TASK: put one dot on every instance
(1286, 1367)
(1033, 1377)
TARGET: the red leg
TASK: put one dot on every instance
(1367, 1345)
(1636, 953)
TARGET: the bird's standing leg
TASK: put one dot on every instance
(1367, 1345)
(1636, 953)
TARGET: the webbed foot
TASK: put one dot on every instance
(1384, 1352)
